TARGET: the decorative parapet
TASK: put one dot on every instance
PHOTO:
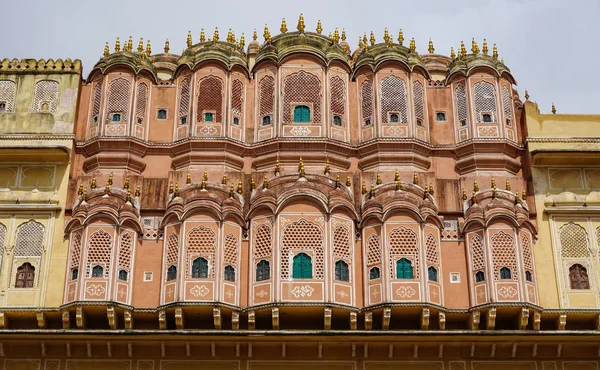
(40, 66)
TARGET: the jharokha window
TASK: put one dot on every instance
(578, 277)
(302, 268)
(25, 276)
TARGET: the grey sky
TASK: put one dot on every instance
(550, 46)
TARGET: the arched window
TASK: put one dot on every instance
(208, 117)
(367, 122)
(97, 271)
(116, 117)
(337, 120)
(486, 117)
(505, 273)
(162, 114)
(394, 118)
(266, 120)
(25, 276)
(432, 273)
(578, 277)
(263, 270)
(374, 273)
(479, 276)
(2, 106)
(236, 121)
(302, 268)
(123, 275)
(171, 273)
(440, 116)
(200, 268)
(341, 271)
(404, 269)
(74, 274)
(229, 273)
(301, 114)
(528, 276)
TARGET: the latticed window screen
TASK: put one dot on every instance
(46, 93)
(8, 92)
(573, 241)
(373, 250)
(431, 250)
(30, 240)
(341, 242)
(97, 100)
(237, 97)
(75, 250)
(231, 250)
(142, 100)
(337, 92)
(393, 98)
(477, 253)
(210, 98)
(267, 96)
(403, 243)
(302, 87)
(366, 94)
(99, 248)
(302, 235)
(262, 242)
(504, 254)
(485, 101)
(125, 251)
(419, 100)
(527, 258)
(506, 103)
(184, 98)
(172, 249)
(2, 244)
(118, 97)
(461, 102)
(201, 241)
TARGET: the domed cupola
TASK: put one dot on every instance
(138, 61)
(467, 64)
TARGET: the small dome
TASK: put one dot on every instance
(549, 200)
(254, 47)
(7, 196)
(567, 198)
(593, 199)
(35, 196)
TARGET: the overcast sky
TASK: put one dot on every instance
(552, 46)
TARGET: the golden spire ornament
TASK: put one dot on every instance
(553, 109)
(372, 192)
(343, 35)
(137, 191)
(167, 47)
(107, 188)
(526, 95)
(364, 188)
(215, 35)
(319, 27)
(148, 49)
(126, 185)
(507, 185)
(176, 193)
(386, 35)
(130, 44)
(452, 53)
(230, 38)
(84, 195)
(493, 182)
(463, 49)
(524, 195)
(300, 26)
(348, 184)
(372, 38)
(396, 176)
(93, 183)
(400, 37)
(242, 41)
(336, 36)
(106, 50)
(239, 188)
(326, 172)
(80, 191)
(266, 33)
(475, 186)
(431, 49)
(224, 179)
(517, 198)
(170, 188)
(117, 45)
(430, 191)
(140, 47)
(495, 52)
(464, 194)
(231, 192)
(398, 185)
(277, 172)
(413, 45)
(188, 179)
(474, 198)
(365, 40)
(360, 43)
(283, 28)
(337, 181)
(255, 35)
(203, 184)
(252, 184)
(378, 181)
(301, 167)
(265, 182)
(485, 47)
(189, 39)
(205, 176)
(128, 197)
(110, 179)
(474, 47)
(415, 178)
(202, 35)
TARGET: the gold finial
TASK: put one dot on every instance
(398, 184)
(126, 185)
(202, 35)
(167, 47)
(137, 191)
(230, 38)
(265, 182)
(140, 48)
(203, 184)
(494, 193)
(266, 33)
(463, 49)
(464, 194)
(107, 188)
(396, 176)
(348, 184)
(415, 178)
(130, 44)
(110, 179)
(493, 182)
(106, 50)
(360, 43)
(215, 35)
(474, 198)
(372, 192)
(301, 167)
(80, 191)
(475, 186)
(364, 188)
(176, 190)
(372, 38)
(239, 188)
(386, 35)
(474, 47)
(242, 41)
(330, 36)
(526, 95)
(128, 198)
(413, 45)
(507, 185)
(231, 191)
(205, 176)
(431, 48)
(400, 37)
(189, 39)
(337, 181)
(283, 28)
(485, 47)
(319, 27)
(170, 188)
(148, 49)
(84, 195)
(452, 53)
(430, 191)
(277, 167)
(553, 109)
(252, 184)
(188, 179)
(254, 35)
(117, 45)
(326, 172)
(378, 181)
(517, 198)
(495, 52)
(93, 184)
(336, 36)
(365, 40)
(343, 34)
(301, 23)
(224, 179)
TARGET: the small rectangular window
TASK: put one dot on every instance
(2, 106)
(161, 114)
(440, 116)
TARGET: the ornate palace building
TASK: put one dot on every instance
(286, 204)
